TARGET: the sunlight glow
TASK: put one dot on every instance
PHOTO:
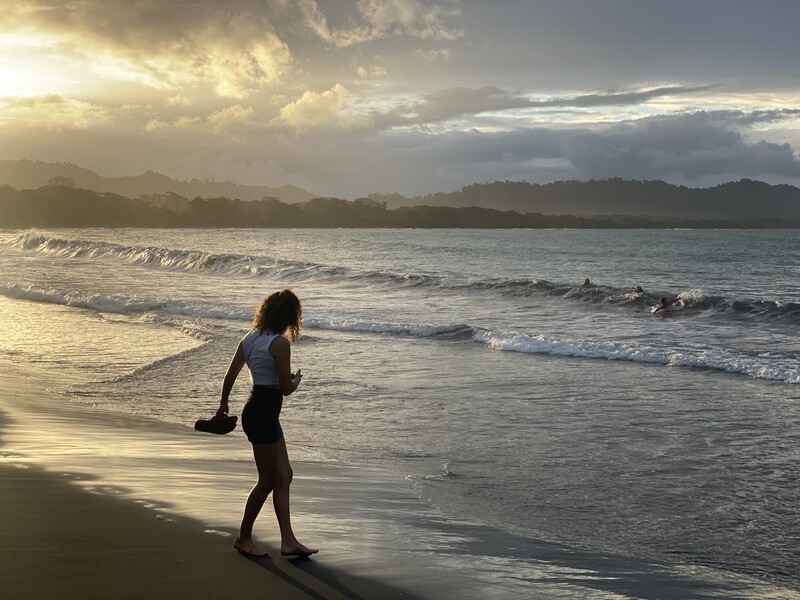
(25, 40)
(24, 68)
(19, 82)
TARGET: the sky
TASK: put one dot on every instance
(351, 97)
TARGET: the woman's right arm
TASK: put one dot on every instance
(281, 351)
(237, 362)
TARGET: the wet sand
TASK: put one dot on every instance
(59, 541)
(105, 505)
(61, 537)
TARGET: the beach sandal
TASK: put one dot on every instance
(218, 425)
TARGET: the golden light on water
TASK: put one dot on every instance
(81, 344)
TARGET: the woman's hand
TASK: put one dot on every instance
(222, 411)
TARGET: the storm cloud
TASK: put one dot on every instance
(687, 148)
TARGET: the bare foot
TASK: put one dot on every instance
(248, 547)
(297, 549)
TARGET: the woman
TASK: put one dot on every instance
(267, 354)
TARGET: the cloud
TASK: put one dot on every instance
(177, 100)
(446, 104)
(230, 47)
(684, 148)
(377, 19)
(413, 95)
(623, 98)
(408, 17)
(228, 120)
(694, 149)
(740, 118)
(234, 116)
(451, 103)
(434, 55)
(377, 69)
(309, 18)
(454, 102)
(53, 112)
(313, 109)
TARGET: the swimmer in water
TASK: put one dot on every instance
(665, 304)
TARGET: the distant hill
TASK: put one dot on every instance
(66, 206)
(735, 201)
(745, 199)
(28, 174)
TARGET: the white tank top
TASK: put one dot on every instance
(259, 361)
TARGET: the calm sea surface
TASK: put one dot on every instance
(473, 363)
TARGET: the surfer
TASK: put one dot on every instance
(637, 293)
(587, 283)
(665, 304)
(267, 354)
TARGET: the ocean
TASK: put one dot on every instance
(472, 369)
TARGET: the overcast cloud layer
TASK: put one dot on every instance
(352, 97)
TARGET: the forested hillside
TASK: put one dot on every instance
(66, 206)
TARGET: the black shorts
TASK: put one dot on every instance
(260, 415)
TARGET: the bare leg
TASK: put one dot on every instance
(280, 500)
(266, 462)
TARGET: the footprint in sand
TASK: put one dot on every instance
(217, 532)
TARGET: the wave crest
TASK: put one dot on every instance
(694, 301)
(774, 367)
(777, 368)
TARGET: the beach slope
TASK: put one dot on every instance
(60, 541)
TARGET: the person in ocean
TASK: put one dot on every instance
(267, 353)
(665, 304)
(637, 293)
(587, 283)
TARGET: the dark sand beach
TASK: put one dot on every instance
(104, 505)
(60, 538)
(59, 541)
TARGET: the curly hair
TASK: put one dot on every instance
(280, 312)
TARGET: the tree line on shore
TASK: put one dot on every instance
(605, 197)
(67, 206)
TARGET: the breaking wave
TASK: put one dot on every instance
(775, 367)
(693, 302)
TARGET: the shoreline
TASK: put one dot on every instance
(60, 541)
(371, 528)
(76, 482)
(68, 535)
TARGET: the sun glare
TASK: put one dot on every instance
(24, 68)
(21, 39)
(23, 80)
